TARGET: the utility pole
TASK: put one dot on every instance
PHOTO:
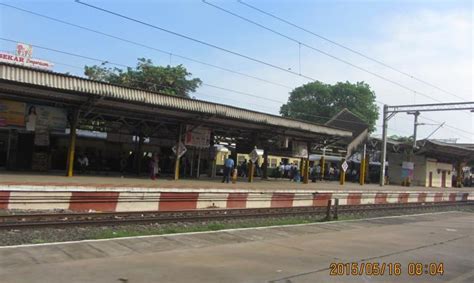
(390, 111)
(415, 126)
(383, 155)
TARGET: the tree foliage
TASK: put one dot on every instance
(319, 102)
(169, 80)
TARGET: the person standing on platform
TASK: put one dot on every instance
(243, 168)
(123, 164)
(83, 163)
(281, 170)
(154, 168)
(228, 166)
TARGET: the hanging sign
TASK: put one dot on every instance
(344, 166)
(181, 149)
(300, 149)
(255, 154)
(199, 137)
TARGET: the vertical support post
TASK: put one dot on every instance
(72, 143)
(342, 175)
(192, 163)
(198, 173)
(251, 171)
(415, 127)
(362, 167)
(9, 147)
(176, 164)
(264, 164)
(459, 175)
(139, 154)
(383, 155)
(328, 210)
(336, 206)
(323, 164)
(306, 172)
(367, 167)
(302, 166)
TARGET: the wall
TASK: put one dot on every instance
(419, 171)
(395, 161)
(432, 166)
(394, 170)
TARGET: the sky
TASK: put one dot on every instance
(430, 40)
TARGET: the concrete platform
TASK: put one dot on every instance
(299, 253)
(116, 183)
(87, 193)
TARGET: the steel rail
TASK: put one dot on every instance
(118, 218)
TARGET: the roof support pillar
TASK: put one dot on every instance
(72, 143)
(459, 172)
(342, 173)
(363, 168)
(177, 159)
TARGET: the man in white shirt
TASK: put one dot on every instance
(83, 162)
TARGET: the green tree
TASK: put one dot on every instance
(319, 102)
(169, 80)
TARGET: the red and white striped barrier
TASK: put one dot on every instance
(169, 200)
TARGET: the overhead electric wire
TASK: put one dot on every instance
(145, 46)
(197, 40)
(170, 87)
(320, 51)
(210, 85)
(349, 49)
(173, 54)
(236, 53)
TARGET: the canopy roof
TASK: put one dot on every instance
(28, 84)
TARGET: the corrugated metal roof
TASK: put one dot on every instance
(76, 84)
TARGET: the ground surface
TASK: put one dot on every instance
(110, 182)
(283, 254)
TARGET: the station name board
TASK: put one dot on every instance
(23, 57)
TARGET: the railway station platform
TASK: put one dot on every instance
(116, 183)
(88, 193)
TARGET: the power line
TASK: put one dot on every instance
(170, 87)
(197, 40)
(174, 87)
(126, 66)
(452, 127)
(230, 51)
(349, 49)
(146, 46)
(320, 51)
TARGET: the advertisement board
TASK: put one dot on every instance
(12, 113)
(45, 117)
(407, 169)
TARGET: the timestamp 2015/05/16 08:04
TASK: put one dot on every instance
(386, 268)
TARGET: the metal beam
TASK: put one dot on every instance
(432, 107)
(390, 111)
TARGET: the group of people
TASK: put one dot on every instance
(292, 172)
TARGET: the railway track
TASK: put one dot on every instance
(117, 218)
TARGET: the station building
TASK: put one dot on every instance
(47, 119)
(433, 164)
